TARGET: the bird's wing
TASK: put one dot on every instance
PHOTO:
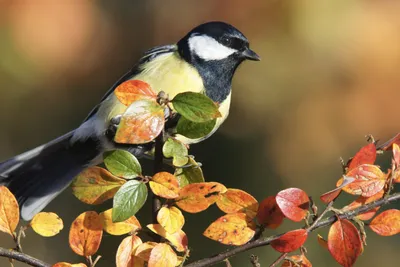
(149, 55)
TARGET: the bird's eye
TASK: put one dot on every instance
(226, 41)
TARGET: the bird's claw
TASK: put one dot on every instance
(113, 126)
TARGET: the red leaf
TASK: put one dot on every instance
(387, 223)
(333, 194)
(344, 242)
(294, 203)
(133, 90)
(396, 155)
(369, 180)
(366, 155)
(269, 214)
(290, 241)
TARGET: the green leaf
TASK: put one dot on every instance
(189, 175)
(122, 163)
(194, 130)
(195, 107)
(129, 199)
(176, 150)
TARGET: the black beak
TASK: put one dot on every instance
(250, 55)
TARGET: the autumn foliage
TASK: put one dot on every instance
(184, 190)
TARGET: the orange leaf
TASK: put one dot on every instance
(66, 264)
(333, 194)
(141, 123)
(366, 155)
(162, 255)
(396, 155)
(9, 211)
(171, 219)
(360, 201)
(294, 203)
(235, 200)
(387, 223)
(119, 228)
(369, 180)
(301, 261)
(269, 214)
(322, 242)
(165, 185)
(86, 233)
(133, 90)
(231, 229)
(143, 250)
(344, 242)
(197, 197)
(126, 253)
(290, 241)
(95, 185)
(178, 239)
(46, 224)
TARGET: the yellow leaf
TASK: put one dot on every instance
(9, 211)
(322, 242)
(231, 229)
(178, 239)
(171, 219)
(197, 197)
(95, 185)
(86, 233)
(143, 250)
(162, 255)
(47, 224)
(126, 253)
(165, 185)
(120, 228)
(235, 200)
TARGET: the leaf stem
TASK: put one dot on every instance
(278, 260)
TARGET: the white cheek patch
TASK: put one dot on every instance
(207, 48)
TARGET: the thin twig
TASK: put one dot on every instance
(96, 260)
(278, 260)
(22, 257)
(254, 260)
(264, 241)
(319, 218)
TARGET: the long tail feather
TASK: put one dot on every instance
(36, 177)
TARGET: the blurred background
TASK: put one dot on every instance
(329, 75)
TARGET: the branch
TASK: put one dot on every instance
(22, 257)
(265, 241)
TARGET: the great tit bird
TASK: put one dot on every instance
(203, 61)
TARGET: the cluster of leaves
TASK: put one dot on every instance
(186, 190)
(147, 112)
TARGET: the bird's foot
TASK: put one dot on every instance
(113, 126)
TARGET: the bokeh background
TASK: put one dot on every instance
(329, 75)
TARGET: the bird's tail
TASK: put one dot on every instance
(36, 177)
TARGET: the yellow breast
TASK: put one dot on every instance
(168, 73)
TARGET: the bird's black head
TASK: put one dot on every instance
(216, 49)
(215, 41)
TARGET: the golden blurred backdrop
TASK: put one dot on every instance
(329, 75)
